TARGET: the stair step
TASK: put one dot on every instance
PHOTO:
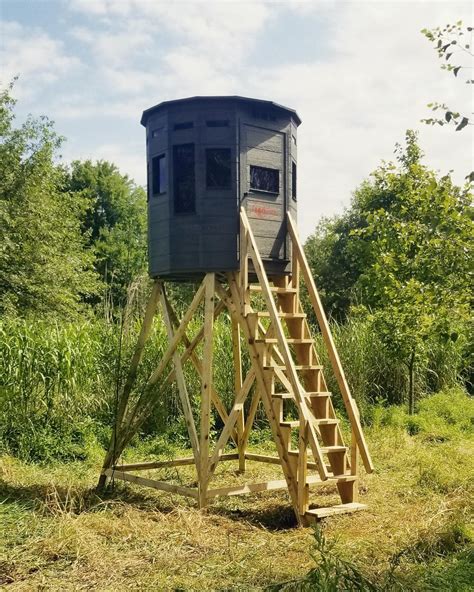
(318, 513)
(276, 290)
(326, 449)
(282, 315)
(310, 395)
(327, 421)
(290, 424)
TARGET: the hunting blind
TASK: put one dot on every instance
(222, 195)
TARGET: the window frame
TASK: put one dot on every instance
(158, 158)
(265, 191)
(177, 211)
(294, 180)
(218, 187)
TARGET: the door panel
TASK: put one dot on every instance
(264, 185)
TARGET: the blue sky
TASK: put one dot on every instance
(359, 74)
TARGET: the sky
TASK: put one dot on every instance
(359, 74)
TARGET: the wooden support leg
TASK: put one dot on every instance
(237, 355)
(303, 489)
(206, 386)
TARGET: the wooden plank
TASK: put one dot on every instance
(181, 381)
(319, 513)
(237, 358)
(256, 487)
(248, 488)
(161, 485)
(162, 464)
(191, 354)
(284, 349)
(349, 402)
(303, 489)
(206, 384)
(233, 417)
(177, 336)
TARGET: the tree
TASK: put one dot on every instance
(115, 222)
(453, 43)
(417, 244)
(44, 265)
(401, 255)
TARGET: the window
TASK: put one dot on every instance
(156, 132)
(293, 180)
(263, 179)
(263, 114)
(184, 179)
(218, 168)
(217, 123)
(183, 126)
(159, 175)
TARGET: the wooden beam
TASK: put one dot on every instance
(349, 402)
(255, 487)
(161, 485)
(162, 464)
(237, 358)
(229, 426)
(181, 381)
(206, 387)
(197, 363)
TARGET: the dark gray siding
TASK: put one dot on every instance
(186, 245)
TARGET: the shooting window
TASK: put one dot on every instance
(184, 179)
(264, 179)
(159, 175)
(293, 180)
(183, 126)
(218, 168)
(217, 123)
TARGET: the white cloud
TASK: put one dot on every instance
(373, 82)
(32, 55)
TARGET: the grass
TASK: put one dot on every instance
(416, 535)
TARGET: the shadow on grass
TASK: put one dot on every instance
(58, 499)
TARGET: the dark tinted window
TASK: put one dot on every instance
(185, 125)
(293, 180)
(159, 175)
(217, 123)
(264, 179)
(218, 169)
(183, 179)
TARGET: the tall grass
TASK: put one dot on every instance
(58, 381)
(375, 376)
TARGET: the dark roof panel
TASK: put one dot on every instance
(291, 112)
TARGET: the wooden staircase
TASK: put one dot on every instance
(299, 406)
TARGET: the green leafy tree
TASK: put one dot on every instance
(453, 43)
(44, 265)
(115, 222)
(417, 247)
(401, 255)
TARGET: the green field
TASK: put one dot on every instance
(416, 534)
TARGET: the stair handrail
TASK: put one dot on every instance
(349, 401)
(283, 345)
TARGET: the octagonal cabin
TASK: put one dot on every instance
(206, 157)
